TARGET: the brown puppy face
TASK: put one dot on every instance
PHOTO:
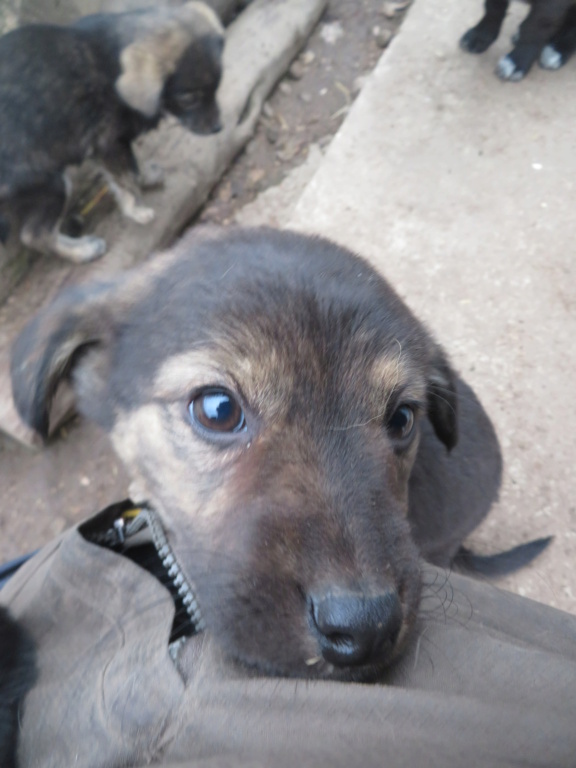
(265, 391)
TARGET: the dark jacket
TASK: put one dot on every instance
(489, 680)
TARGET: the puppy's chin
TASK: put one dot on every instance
(317, 668)
(301, 658)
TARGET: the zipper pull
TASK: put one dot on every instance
(119, 527)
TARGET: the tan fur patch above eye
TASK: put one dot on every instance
(179, 375)
(261, 378)
(391, 370)
(395, 371)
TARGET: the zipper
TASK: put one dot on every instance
(146, 517)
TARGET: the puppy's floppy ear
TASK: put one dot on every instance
(443, 399)
(148, 62)
(52, 344)
(199, 14)
(154, 55)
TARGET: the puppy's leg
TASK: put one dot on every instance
(121, 161)
(541, 23)
(481, 37)
(127, 202)
(44, 208)
(562, 45)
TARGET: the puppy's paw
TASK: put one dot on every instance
(80, 250)
(476, 40)
(508, 70)
(550, 58)
(140, 214)
(151, 175)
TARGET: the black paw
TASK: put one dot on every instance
(550, 58)
(508, 70)
(476, 40)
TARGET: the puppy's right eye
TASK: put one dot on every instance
(217, 411)
(401, 422)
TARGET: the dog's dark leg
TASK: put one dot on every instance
(562, 45)
(119, 162)
(42, 210)
(535, 31)
(481, 37)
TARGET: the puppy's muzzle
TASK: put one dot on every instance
(203, 122)
(354, 629)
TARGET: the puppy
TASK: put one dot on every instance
(287, 420)
(17, 674)
(88, 90)
(549, 31)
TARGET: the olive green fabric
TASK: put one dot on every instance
(488, 680)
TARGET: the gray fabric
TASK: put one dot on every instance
(489, 680)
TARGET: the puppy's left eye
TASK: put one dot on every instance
(217, 411)
(401, 423)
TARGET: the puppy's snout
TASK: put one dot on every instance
(355, 629)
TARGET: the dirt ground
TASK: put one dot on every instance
(44, 492)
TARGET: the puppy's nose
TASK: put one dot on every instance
(354, 628)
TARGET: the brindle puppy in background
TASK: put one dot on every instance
(88, 91)
(288, 418)
(549, 31)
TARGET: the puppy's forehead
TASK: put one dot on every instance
(267, 310)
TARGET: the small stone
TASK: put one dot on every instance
(256, 176)
(307, 58)
(393, 7)
(288, 152)
(296, 71)
(382, 37)
(285, 88)
(306, 97)
(331, 32)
